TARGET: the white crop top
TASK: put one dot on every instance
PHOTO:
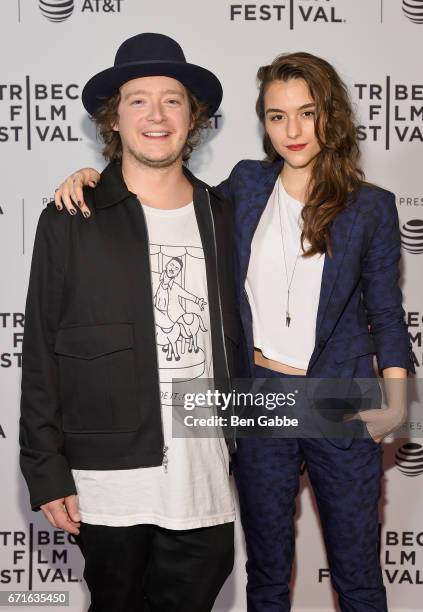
(266, 283)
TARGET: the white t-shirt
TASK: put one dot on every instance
(194, 491)
(266, 283)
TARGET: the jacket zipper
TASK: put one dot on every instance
(165, 458)
(220, 302)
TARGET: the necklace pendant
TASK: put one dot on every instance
(287, 319)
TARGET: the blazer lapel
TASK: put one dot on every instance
(340, 237)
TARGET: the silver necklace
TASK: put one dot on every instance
(288, 317)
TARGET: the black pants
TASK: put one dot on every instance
(145, 568)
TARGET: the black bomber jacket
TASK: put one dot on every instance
(90, 380)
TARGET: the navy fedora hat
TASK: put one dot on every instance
(151, 54)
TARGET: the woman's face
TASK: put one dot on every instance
(290, 122)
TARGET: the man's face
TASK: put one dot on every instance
(173, 268)
(290, 121)
(154, 120)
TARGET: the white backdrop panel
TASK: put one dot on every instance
(44, 134)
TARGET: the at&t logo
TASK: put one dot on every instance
(412, 236)
(409, 459)
(56, 10)
(413, 9)
(60, 10)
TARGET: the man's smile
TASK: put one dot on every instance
(155, 134)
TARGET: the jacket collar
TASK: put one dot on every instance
(112, 188)
(260, 189)
(196, 182)
(270, 173)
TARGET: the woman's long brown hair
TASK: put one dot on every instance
(336, 175)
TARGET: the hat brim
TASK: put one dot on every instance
(200, 81)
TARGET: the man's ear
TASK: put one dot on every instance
(115, 124)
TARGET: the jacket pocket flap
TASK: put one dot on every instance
(348, 348)
(90, 341)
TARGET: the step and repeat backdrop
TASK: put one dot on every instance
(49, 49)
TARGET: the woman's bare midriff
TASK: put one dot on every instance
(271, 364)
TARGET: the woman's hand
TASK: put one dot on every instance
(70, 192)
(382, 422)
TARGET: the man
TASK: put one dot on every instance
(153, 515)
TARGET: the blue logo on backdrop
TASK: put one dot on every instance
(413, 9)
(56, 10)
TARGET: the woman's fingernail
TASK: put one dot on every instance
(59, 207)
(86, 214)
(72, 211)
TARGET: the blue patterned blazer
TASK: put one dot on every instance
(360, 309)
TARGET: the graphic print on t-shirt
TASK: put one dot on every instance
(181, 330)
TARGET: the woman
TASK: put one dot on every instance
(317, 255)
